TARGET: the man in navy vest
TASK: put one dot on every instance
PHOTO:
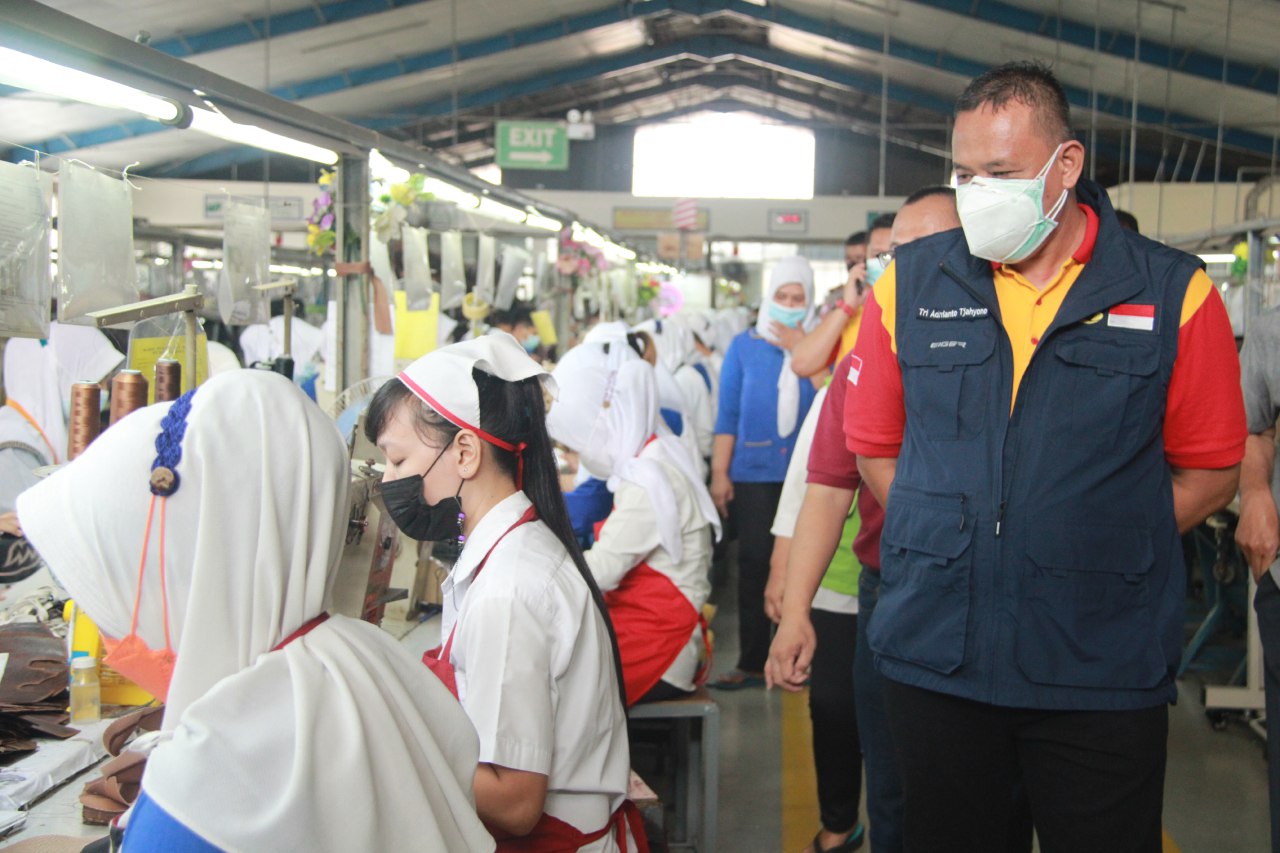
(1044, 401)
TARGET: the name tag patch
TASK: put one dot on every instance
(1139, 317)
(964, 313)
(948, 344)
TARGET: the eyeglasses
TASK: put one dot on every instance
(885, 258)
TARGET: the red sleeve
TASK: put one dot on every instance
(1204, 423)
(830, 462)
(874, 415)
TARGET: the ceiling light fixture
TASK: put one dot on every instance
(24, 71)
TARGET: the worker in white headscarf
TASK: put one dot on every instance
(674, 354)
(38, 375)
(527, 646)
(204, 535)
(652, 555)
(762, 402)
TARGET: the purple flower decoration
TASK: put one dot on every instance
(327, 222)
(325, 199)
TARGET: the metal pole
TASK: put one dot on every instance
(353, 292)
(884, 107)
(1133, 112)
(193, 334)
(1222, 107)
(288, 325)
(1257, 243)
(1093, 94)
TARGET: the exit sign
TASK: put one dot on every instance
(532, 145)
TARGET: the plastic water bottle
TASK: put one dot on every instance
(86, 695)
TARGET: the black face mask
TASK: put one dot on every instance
(418, 519)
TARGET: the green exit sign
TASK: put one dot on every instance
(532, 145)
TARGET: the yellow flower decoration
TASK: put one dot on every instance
(402, 194)
(326, 178)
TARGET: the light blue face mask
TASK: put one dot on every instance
(532, 343)
(790, 317)
(875, 269)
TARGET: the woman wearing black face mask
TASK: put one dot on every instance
(527, 648)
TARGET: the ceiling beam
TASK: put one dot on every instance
(1117, 43)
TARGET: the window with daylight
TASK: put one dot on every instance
(723, 155)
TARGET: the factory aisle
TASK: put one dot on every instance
(1215, 790)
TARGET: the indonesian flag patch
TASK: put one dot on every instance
(1140, 317)
(855, 369)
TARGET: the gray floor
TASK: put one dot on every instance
(1215, 790)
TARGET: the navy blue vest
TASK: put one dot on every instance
(1033, 560)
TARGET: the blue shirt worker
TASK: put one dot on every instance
(762, 404)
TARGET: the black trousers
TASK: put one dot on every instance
(1095, 779)
(837, 751)
(752, 510)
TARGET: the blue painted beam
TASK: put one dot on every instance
(249, 30)
(1187, 60)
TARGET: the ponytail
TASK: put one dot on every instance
(517, 412)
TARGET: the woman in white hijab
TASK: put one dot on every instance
(527, 646)
(762, 401)
(674, 349)
(284, 729)
(652, 555)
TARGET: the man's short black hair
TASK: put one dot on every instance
(932, 190)
(516, 315)
(1030, 83)
(857, 239)
(1128, 221)
(884, 220)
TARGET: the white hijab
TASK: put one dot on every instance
(792, 270)
(341, 741)
(607, 415)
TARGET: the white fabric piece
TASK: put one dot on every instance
(534, 668)
(263, 748)
(630, 537)
(442, 379)
(262, 341)
(672, 340)
(222, 358)
(38, 376)
(31, 777)
(792, 270)
(613, 337)
(699, 406)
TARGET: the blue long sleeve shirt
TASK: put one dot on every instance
(749, 410)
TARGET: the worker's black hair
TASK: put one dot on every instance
(1128, 221)
(884, 220)
(1030, 83)
(858, 238)
(516, 413)
(517, 315)
(929, 191)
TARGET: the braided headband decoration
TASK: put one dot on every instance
(164, 470)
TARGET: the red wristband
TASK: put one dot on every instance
(845, 307)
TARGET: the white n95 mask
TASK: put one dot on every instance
(1004, 218)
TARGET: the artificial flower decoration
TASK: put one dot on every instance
(321, 234)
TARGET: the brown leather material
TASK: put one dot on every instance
(113, 792)
(37, 667)
(145, 719)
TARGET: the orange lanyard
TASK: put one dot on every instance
(13, 404)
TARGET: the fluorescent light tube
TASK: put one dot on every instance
(1225, 258)
(537, 220)
(217, 124)
(24, 71)
(495, 209)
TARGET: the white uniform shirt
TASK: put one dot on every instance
(534, 667)
(630, 537)
(699, 411)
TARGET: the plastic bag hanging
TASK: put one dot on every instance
(25, 285)
(485, 251)
(453, 276)
(514, 261)
(417, 269)
(246, 264)
(95, 243)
